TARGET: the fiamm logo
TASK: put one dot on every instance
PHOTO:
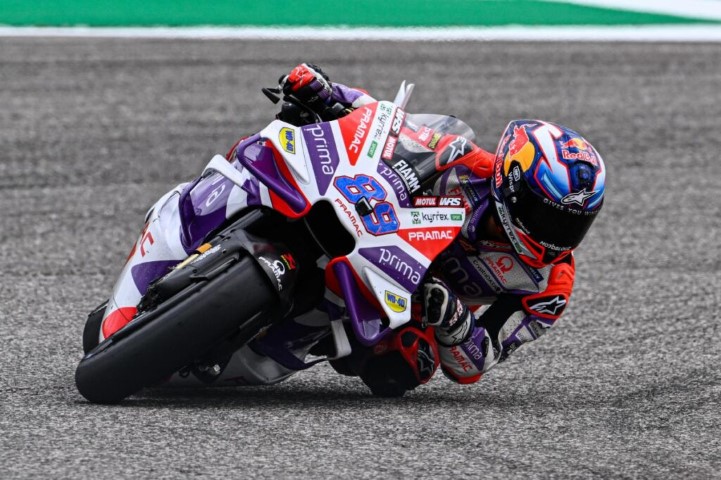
(287, 139)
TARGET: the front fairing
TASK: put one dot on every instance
(369, 166)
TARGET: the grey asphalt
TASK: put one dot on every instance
(626, 386)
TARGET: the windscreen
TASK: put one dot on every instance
(421, 145)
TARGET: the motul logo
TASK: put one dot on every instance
(425, 201)
(389, 148)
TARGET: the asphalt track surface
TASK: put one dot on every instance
(627, 385)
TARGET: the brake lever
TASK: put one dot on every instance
(273, 94)
(332, 112)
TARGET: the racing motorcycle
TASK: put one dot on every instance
(336, 208)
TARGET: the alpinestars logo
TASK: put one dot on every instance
(577, 197)
(457, 148)
(549, 306)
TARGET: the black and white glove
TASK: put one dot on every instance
(309, 84)
(445, 311)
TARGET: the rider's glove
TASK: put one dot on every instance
(445, 311)
(308, 84)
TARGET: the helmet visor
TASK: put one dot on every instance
(556, 227)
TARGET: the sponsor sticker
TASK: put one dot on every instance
(451, 202)
(458, 148)
(289, 261)
(398, 186)
(323, 152)
(408, 175)
(397, 123)
(432, 218)
(425, 235)
(389, 148)
(278, 268)
(425, 201)
(434, 140)
(577, 197)
(395, 302)
(287, 139)
(505, 263)
(424, 134)
(361, 132)
(416, 217)
(551, 306)
(206, 253)
(381, 120)
(456, 217)
(401, 263)
(351, 217)
(397, 264)
(372, 149)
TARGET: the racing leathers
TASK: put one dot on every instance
(512, 303)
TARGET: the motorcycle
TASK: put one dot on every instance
(337, 209)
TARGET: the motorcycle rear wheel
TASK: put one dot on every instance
(181, 330)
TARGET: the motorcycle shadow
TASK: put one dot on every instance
(281, 396)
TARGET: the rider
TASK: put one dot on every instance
(508, 277)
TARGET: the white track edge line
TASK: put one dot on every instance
(670, 33)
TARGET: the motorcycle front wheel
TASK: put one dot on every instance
(238, 301)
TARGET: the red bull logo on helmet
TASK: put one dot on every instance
(583, 151)
(520, 139)
(514, 147)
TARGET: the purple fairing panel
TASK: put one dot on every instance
(399, 188)
(260, 161)
(397, 264)
(323, 153)
(203, 206)
(364, 318)
(282, 340)
(144, 273)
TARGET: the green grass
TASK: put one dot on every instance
(420, 13)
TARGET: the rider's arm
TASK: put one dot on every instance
(350, 97)
(309, 80)
(511, 321)
(309, 84)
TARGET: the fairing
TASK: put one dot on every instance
(352, 164)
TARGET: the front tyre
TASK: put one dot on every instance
(238, 301)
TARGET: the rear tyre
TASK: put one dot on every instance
(91, 332)
(185, 328)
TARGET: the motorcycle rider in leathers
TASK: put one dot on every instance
(503, 282)
(508, 277)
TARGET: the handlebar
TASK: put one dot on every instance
(327, 113)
